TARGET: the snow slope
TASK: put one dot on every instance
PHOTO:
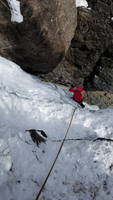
(84, 170)
(27, 103)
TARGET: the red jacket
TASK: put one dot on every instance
(77, 96)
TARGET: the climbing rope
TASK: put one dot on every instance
(45, 181)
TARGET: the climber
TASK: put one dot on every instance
(77, 96)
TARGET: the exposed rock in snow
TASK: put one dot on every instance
(100, 98)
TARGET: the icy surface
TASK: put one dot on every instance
(84, 170)
(16, 15)
(27, 103)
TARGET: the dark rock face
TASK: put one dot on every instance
(103, 7)
(40, 42)
(92, 47)
(65, 74)
(104, 74)
(89, 61)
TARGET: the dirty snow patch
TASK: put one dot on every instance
(16, 15)
(81, 3)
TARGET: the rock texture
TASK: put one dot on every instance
(41, 41)
(65, 73)
(100, 98)
(92, 49)
(89, 60)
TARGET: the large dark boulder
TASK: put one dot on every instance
(89, 60)
(40, 42)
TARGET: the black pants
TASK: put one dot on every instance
(81, 104)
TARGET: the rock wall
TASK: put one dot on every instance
(100, 98)
(89, 60)
(92, 47)
(40, 42)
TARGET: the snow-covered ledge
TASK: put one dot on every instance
(16, 15)
(81, 3)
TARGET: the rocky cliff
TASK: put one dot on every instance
(41, 40)
(48, 43)
(89, 60)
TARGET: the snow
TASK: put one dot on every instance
(84, 169)
(82, 172)
(27, 103)
(16, 15)
(81, 3)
